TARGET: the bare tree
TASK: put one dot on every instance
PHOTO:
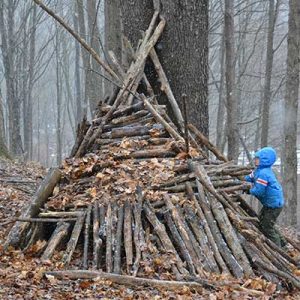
(232, 105)
(273, 12)
(7, 32)
(291, 110)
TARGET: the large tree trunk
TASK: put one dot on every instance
(291, 110)
(232, 105)
(183, 49)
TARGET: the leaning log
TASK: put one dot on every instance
(74, 239)
(57, 236)
(38, 200)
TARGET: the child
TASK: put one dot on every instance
(268, 191)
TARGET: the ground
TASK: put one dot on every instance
(22, 274)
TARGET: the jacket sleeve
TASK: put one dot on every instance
(260, 186)
(250, 177)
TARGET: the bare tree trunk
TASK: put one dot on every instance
(8, 52)
(85, 56)
(79, 114)
(268, 74)
(232, 105)
(221, 105)
(291, 110)
(28, 109)
(58, 98)
(3, 148)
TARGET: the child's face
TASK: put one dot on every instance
(256, 161)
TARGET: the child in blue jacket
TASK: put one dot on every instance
(268, 191)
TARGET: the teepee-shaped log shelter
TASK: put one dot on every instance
(141, 197)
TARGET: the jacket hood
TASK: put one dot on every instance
(267, 156)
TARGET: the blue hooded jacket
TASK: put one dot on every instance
(266, 188)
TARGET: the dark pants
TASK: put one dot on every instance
(267, 219)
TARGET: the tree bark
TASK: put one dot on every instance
(268, 75)
(8, 52)
(182, 50)
(113, 34)
(232, 105)
(291, 109)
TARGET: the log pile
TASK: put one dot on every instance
(132, 201)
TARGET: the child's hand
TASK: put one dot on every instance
(246, 186)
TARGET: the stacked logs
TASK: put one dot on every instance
(133, 201)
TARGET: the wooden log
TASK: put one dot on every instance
(117, 141)
(177, 180)
(254, 255)
(207, 229)
(96, 239)
(230, 236)
(160, 229)
(86, 236)
(130, 119)
(231, 262)
(94, 132)
(202, 177)
(161, 120)
(57, 236)
(128, 109)
(165, 86)
(39, 220)
(183, 230)
(246, 206)
(137, 243)
(232, 189)
(35, 234)
(252, 233)
(201, 237)
(109, 229)
(129, 280)
(180, 243)
(159, 152)
(129, 131)
(60, 214)
(37, 201)
(196, 246)
(118, 241)
(102, 232)
(73, 240)
(114, 61)
(80, 133)
(128, 235)
(135, 69)
(284, 275)
(205, 141)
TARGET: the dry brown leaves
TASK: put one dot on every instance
(113, 179)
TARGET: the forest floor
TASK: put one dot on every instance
(22, 275)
